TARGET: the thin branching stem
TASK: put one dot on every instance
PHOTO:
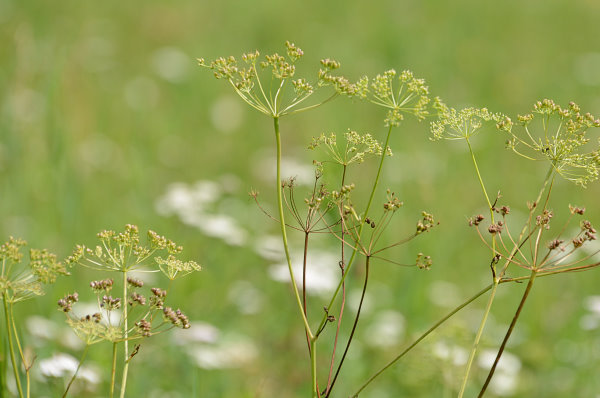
(11, 347)
(365, 215)
(283, 229)
(425, 334)
(26, 366)
(85, 350)
(509, 332)
(125, 335)
(362, 298)
(342, 268)
(113, 370)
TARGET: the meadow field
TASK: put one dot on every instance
(107, 120)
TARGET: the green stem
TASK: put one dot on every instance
(76, 370)
(362, 298)
(362, 224)
(114, 370)
(478, 337)
(26, 365)
(460, 307)
(313, 367)
(11, 347)
(509, 332)
(125, 342)
(283, 230)
(418, 340)
(487, 198)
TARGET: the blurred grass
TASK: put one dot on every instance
(93, 130)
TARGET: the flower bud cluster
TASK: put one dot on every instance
(176, 317)
(110, 303)
(137, 298)
(476, 220)
(544, 219)
(66, 303)
(102, 285)
(423, 261)
(95, 317)
(426, 223)
(496, 228)
(134, 282)
(144, 327)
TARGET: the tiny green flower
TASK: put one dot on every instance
(18, 281)
(274, 99)
(123, 251)
(558, 135)
(404, 95)
(356, 148)
(463, 124)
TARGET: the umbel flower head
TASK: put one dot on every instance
(463, 124)
(356, 147)
(124, 252)
(404, 95)
(19, 281)
(269, 84)
(556, 134)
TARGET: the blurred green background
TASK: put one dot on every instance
(103, 108)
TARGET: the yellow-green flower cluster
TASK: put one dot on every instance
(356, 148)
(123, 252)
(407, 95)
(173, 268)
(19, 281)
(463, 124)
(272, 99)
(551, 132)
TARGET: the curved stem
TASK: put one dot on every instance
(11, 347)
(125, 342)
(509, 332)
(283, 230)
(362, 297)
(343, 304)
(76, 370)
(425, 334)
(477, 338)
(26, 365)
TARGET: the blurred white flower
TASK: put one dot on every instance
(246, 297)
(506, 377)
(591, 320)
(192, 203)
(231, 351)
(65, 365)
(450, 352)
(386, 330)
(41, 328)
(444, 294)
(270, 248)
(199, 332)
(303, 172)
(322, 271)
(222, 226)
